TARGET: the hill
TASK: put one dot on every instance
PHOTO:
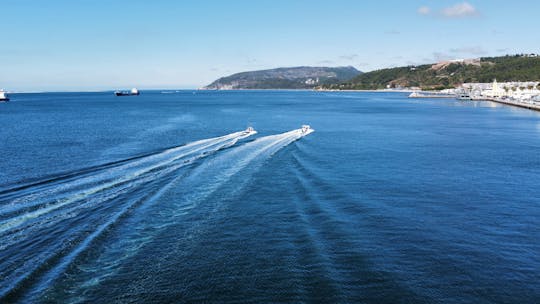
(285, 78)
(448, 74)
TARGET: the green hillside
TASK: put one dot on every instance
(448, 74)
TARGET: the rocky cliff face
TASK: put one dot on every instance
(285, 78)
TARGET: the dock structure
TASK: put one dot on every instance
(423, 94)
(530, 106)
(519, 94)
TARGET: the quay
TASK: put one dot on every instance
(423, 94)
(519, 94)
(525, 105)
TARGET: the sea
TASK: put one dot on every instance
(162, 198)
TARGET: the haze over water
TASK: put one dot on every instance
(160, 198)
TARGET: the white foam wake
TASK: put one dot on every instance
(197, 186)
(82, 209)
(108, 179)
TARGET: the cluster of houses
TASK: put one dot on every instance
(521, 94)
(311, 81)
(525, 92)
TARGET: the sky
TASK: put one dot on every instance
(71, 45)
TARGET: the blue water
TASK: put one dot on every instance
(159, 198)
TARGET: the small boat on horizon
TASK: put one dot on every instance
(3, 96)
(414, 95)
(464, 96)
(133, 92)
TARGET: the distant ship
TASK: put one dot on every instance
(133, 92)
(414, 95)
(464, 96)
(3, 96)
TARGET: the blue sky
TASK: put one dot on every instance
(98, 45)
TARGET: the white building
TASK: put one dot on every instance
(512, 90)
(495, 92)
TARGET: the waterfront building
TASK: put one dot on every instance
(495, 92)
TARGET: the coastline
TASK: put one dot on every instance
(370, 91)
(529, 106)
(317, 90)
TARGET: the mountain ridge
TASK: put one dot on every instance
(300, 77)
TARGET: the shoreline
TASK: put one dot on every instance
(371, 91)
(512, 103)
(229, 90)
(316, 90)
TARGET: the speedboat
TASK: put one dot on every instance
(249, 131)
(306, 129)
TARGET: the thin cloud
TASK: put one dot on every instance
(439, 56)
(325, 62)
(472, 50)
(457, 11)
(455, 53)
(253, 63)
(460, 10)
(424, 10)
(348, 57)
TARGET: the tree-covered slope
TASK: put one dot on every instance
(448, 74)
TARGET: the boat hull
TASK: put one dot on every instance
(125, 94)
(307, 132)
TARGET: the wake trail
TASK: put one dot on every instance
(67, 217)
(35, 184)
(61, 195)
(81, 176)
(65, 261)
(198, 185)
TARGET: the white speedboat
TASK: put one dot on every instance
(249, 131)
(3, 96)
(306, 129)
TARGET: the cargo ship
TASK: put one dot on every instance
(133, 92)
